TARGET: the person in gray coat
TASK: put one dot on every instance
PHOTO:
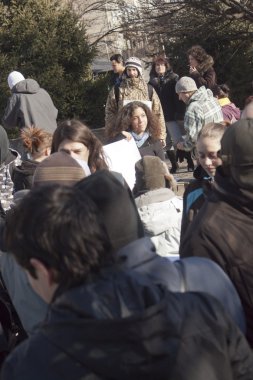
(29, 105)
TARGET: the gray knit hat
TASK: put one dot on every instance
(185, 84)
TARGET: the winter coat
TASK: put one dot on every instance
(229, 110)
(6, 183)
(29, 306)
(194, 197)
(165, 88)
(205, 74)
(23, 175)
(30, 105)
(121, 326)
(223, 232)
(132, 89)
(161, 212)
(202, 109)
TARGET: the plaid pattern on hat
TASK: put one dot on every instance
(134, 62)
(58, 168)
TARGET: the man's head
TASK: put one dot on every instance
(56, 235)
(185, 88)
(117, 63)
(237, 153)
(133, 67)
(14, 77)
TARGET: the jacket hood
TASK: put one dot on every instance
(117, 207)
(239, 198)
(205, 65)
(202, 95)
(27, 167)
(27, 86)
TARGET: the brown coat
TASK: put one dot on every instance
(132, 89)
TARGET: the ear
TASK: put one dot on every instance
(42, 271)
(48, 151)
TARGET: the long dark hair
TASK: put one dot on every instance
(76, 131)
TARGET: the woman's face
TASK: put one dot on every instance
(192, 61)
(207, 149)
(76, 149)
(160, 68)
(139, 121)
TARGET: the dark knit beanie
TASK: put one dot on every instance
(149, 173)
(117, 207)
(58, 168)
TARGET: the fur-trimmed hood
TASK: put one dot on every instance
(205, 65)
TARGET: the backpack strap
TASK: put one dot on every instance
(116, 93)
(150, 91)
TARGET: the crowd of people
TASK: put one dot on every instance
(106, 282)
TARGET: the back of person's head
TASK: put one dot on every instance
(221, 91)
(118, 58)
(150, 174)
(59, 168)
(60, 227)
(237, 153)
(247, 112)
(198, 52)
(213, 131)
(14, 77)
(36, 141)
(76, 131)
(117, 207)
(4, 145)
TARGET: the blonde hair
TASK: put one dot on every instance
(213, 131)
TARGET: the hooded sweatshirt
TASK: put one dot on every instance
(120, 326)
(30, 105)
(202, 109)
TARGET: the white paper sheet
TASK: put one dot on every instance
(121, 157)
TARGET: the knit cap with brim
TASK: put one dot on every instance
(185, 84)
(134, 62)
(58, 168)
(149, 173)
(237, 153)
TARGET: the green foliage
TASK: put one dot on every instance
(96, 93)
(228, 41)
(45, 41)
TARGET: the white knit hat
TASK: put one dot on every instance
(134, 62)
(186, 84)
(14, 77)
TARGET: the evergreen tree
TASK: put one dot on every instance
(46, 41)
